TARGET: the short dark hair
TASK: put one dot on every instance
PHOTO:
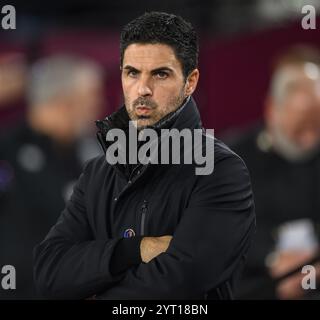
(160, 27)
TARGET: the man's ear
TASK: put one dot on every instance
(192, 82)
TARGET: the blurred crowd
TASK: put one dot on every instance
(283, 158)
(42, 155)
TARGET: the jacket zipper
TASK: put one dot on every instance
(144, 210)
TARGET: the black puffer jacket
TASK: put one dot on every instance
(94, 248)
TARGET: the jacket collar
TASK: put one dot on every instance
(186, 116)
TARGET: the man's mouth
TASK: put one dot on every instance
(142, 109)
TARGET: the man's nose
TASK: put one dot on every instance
(144, 87)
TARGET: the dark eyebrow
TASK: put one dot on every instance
(154, 71)
(130, 68)
(161, 69)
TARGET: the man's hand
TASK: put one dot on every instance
(150, 247)
(291, 287)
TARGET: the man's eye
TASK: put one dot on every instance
(161, 75)
(132, 73)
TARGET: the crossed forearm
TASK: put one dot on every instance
(150, 247)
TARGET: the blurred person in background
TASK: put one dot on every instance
(41, 158)
(284, 162)
(13, 71)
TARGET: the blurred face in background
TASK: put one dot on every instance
(294, 120)
(71, 114)
(153, 82)
(12, 77)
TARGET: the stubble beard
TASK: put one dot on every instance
(143, 121)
